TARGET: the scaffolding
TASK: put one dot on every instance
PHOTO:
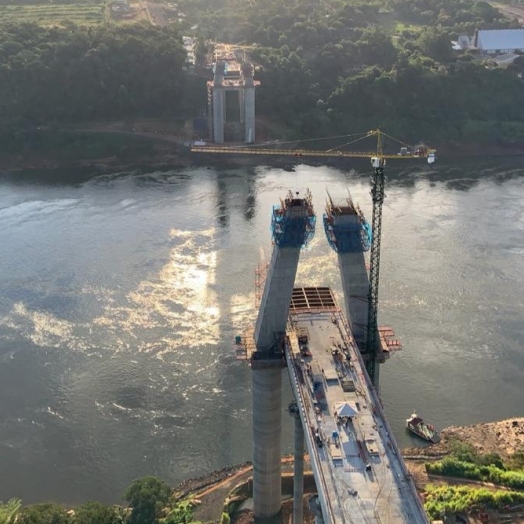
(260, 281)
(347, 231)
(293, 221)
(388, 344)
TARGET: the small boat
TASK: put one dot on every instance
(424, 430)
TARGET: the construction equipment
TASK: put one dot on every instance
(378, 161)
(229, 51)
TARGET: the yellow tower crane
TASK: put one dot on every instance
(378, 161)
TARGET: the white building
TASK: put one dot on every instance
(497, 41)
(189, 46)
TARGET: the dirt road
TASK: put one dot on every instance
(511, 11)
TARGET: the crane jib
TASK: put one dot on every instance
(428, 154)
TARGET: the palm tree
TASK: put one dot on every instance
(9, 510)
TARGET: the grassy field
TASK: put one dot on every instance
(48, 14)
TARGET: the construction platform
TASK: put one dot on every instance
(308, 300)
(359, 471)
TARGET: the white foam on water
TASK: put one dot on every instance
(31, 209)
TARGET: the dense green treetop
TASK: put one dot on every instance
(147, 497)
(343, 65)
(455, 499)
(181, 514)
(149, 501)
(71, 74)
(325, 67)
(95, 513)
(47, 513)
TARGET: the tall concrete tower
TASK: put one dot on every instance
(349, 235)
(229, 75)
(293, 225)
(218, 96)
(249, 103)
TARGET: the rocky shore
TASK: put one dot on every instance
(503, 437)
(198, 484)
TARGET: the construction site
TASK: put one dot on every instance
(231, 97)
(332, 354)
(346, 465)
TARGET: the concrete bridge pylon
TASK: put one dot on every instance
(293, 225)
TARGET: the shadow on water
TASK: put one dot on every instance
(242, 187)
(460, 174)
(50, 177)
(77, 176)
(222, 204)
(235, 206)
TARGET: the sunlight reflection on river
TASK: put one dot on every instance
(121, 296)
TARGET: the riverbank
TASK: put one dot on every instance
(222, 489)
(503, 437)
(110, 148)
(97, 151)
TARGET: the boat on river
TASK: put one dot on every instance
(428, 432)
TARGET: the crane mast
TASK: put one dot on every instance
(377, 196)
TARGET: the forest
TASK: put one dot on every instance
(74, 74)
(326, 67)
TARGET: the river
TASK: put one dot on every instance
(120, 296)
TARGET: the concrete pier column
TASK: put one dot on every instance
(298, 466)
(218, 101)
(316, 509)
(249, 114)
(267, 429)
(218, 115)
(293, 225)
(349, 235)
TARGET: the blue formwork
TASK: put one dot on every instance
(348, 238)
(292, 231)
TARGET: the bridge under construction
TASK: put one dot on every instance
(359, 472)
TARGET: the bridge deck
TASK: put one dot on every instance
(359, 471)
